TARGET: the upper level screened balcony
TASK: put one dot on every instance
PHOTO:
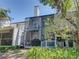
(33, 24)
(37, 22)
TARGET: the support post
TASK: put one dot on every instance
(1, 38)
(24, 35)
(40, 29)
(55, 40)
(67, 43)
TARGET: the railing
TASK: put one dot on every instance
(51, 43)
(36, 27)
(47, 43)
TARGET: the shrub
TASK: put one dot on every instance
(6, 48)
(53, 53)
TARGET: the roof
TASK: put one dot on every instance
(33, 17)
(18, 22)
(40, 16)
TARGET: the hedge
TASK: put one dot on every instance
(6, 48)
(53, 53)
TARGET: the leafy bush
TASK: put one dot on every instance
(53, 53)
(6, 48)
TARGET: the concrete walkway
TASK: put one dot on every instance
(16, 54)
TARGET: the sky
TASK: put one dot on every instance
(20, 9)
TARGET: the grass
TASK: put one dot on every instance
(53, 53)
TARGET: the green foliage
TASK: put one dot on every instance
(48, 28)
(62, 5)
(57, 26)
(6, 48)
(53, 53)
(4, 13)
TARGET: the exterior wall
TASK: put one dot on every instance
(21, 33)
(18, 33)
(14, 35)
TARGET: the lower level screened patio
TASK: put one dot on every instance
(6, 36)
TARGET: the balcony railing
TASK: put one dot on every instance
(30, 28)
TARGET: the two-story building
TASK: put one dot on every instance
(23, 33)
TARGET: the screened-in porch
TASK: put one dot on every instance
(31, 36)
(6, 36)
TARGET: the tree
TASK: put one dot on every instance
(4, 16)
(63, 6)
(76, 3)
(55, 26)
(4, 13)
